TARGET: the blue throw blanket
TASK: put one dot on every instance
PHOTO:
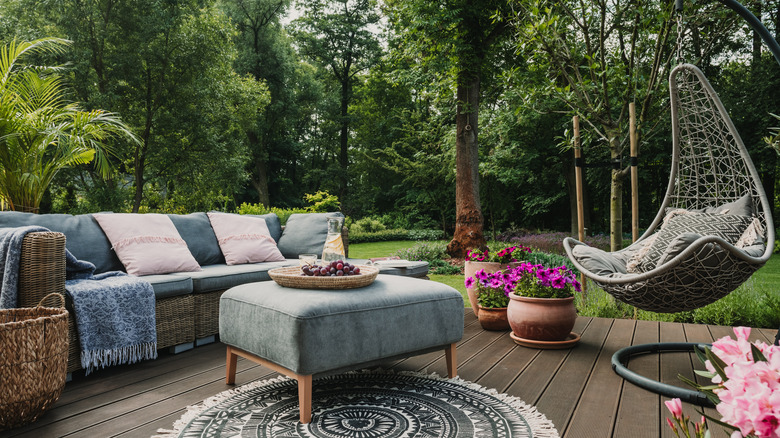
(114, 311)
(10, 253)
(114, 315)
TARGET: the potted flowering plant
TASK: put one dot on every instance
(745, 388)
(492, 292)
(542, 305)
(490, 261)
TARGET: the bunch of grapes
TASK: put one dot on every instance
(338, 268)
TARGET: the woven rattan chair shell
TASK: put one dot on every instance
(710, 167)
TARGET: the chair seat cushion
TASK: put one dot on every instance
(599, 262)
(317, 331)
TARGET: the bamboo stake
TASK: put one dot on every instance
(634, 173)
(578, 181)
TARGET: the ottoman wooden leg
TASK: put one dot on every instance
(305, 382)
(304, 397)
(230, 368)
(452, 360)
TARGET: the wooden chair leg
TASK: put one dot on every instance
(304, 397)
(230, 366)
(452, 360)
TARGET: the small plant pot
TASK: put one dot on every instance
(468, 271)
(541, 319)
(493, 318)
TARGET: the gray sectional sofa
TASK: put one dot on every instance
(187, 303)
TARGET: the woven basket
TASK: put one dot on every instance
(34, 346)
(291, 277)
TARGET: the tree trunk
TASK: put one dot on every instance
(468, 212)
(139, 157)
(139, 163)
(259, 179)
(756, 52)
(344, 137)
(616, 197)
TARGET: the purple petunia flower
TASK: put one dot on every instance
(469, 282)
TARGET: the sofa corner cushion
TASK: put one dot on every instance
(196, 231)
(273, 223)
(147, 243)
(305, 233)
(83, 236)
(244, 239)
(169, 285)
(598, 261)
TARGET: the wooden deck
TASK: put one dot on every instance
(574, 388)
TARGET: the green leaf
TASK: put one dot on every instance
(758, 356)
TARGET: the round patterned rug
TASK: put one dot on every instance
(365, 405)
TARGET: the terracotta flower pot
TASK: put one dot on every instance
(541, 319)
(468, 271)
(493, 318)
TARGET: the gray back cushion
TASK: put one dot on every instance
(195, 229)
(273, 223)
(305, 233)
(84, 237)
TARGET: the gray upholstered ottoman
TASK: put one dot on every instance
(302, 332)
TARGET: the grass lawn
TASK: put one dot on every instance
(769, 275)
(377, 249)
(767, 279)
(384, 249)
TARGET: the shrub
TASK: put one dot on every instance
(322, 202)
(426, 235)
(440, 267)
(283, 213)
(427, 251)
(377, 236)
(549, 242)
(367, 225)
(549, 260)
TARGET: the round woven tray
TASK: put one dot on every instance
(291, 277)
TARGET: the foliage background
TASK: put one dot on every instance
(231, 110)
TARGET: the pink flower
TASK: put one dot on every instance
(469, 282)
(674, 428)
(675, 407)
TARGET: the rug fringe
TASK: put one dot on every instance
(540, 424)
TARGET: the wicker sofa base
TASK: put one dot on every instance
(174, 326)
(207, 313)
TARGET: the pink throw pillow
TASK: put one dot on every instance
(244, 239)
(147, 244)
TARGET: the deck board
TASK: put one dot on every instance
(576, 388)
(638, 413)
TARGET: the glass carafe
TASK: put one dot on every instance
(334, 246)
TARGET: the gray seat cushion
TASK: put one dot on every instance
(220, 277)
(305, 233)
(317, 331)
(169, 285)
(195, 229)
(83, 236)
